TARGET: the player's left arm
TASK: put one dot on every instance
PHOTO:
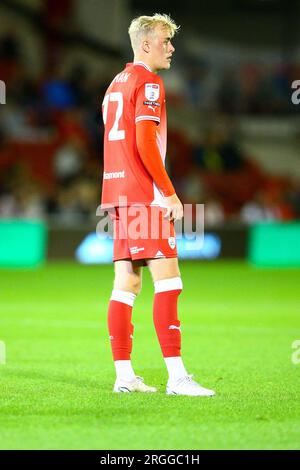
(150, 97)
(151, 158)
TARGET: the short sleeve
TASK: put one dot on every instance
(149, 100)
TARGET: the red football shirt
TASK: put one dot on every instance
(135, 94)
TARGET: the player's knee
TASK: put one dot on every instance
(130, 284)
(136, 286)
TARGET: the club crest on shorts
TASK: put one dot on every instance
(152, 91)
(172, 242)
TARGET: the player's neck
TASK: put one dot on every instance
(145, 62)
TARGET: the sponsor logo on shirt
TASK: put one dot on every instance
(152, 91)
(114, 175)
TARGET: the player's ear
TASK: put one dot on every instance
(146, 46)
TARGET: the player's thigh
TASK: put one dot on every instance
(163, 268)
(128, 275)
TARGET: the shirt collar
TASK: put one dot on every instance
(139, 62)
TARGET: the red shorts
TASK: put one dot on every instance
(141, 232)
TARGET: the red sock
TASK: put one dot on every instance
(165, 316)
(119, 324)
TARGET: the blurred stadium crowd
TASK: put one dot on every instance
(51, 142)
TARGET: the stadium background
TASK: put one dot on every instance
(233, 144)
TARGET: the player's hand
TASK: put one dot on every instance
(174, 208)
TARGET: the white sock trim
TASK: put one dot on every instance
(165, 285)
(123, 296)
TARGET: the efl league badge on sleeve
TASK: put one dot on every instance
(152, 91)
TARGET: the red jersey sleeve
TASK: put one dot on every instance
(151, 158)
(149, 98)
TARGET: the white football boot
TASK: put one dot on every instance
(136, 385)
(187, 386)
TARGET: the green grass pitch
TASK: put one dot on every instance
(239, 323)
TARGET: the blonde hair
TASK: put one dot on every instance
(144, 25)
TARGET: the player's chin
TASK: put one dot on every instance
(165, 66)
